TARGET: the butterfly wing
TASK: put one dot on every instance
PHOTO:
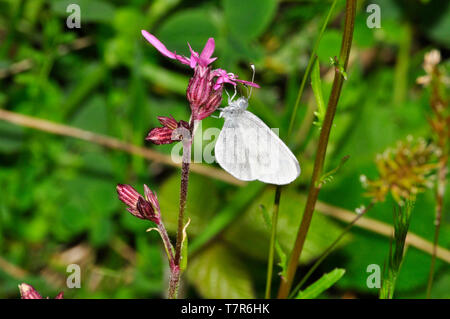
(230, 151)
(248, 149)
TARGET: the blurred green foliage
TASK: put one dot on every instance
(59, 193)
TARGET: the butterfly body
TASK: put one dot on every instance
(249, 150)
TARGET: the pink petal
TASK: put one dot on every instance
(194, 57)
(158, 44)
(248, 83)
(207, 52)
(162, 48)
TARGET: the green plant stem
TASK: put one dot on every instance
(328, 251)
(314, 189)
(273, 237)
(311, 62)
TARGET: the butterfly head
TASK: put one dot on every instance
(240, 104)
(234, 107)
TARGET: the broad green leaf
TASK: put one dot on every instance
(248, 19)
(217, 273)
(325, 282)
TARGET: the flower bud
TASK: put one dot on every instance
(28, 292)
(199, 89)
(169, 133)
(168, 122)
(213, 102)
(146, 210)
(137, 205)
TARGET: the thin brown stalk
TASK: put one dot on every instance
(313, 194)
(382, 228)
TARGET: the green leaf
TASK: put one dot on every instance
(318, 287)
(316, 84)
(184, 247)
(248, 19)
(217, 273)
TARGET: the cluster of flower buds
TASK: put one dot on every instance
(404, 171)
(28, 292)
(142, 207)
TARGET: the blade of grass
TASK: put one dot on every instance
(322, 284)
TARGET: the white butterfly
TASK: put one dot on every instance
(249, 150)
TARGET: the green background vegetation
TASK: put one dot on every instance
(58, 203)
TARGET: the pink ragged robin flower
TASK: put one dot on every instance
(142, 207)
(204, 91)
(171, 131)
(28, 292)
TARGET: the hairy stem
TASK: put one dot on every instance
(175, 269)
(167, 244)
(313, 193)
(174, 282)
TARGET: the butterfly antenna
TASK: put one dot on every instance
(235, 92)
(229, 98)
(253, 80)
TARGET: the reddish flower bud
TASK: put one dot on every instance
(199, 88)
(168, 122)
(161, 135)
(129, 196)
(147, 211)
(28, 292)
(137, 205)
(169, 133)
(151, 198)
(211, 104)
